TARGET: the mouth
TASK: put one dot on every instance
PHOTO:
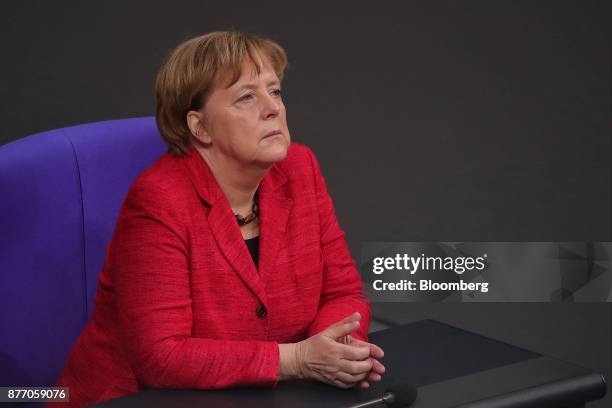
(273, 133)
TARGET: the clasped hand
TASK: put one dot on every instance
(334, 357)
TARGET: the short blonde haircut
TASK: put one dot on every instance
(191, 71)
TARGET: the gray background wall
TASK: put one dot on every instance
(433, 121)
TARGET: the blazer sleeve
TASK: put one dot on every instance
(342, 293)
(150, 271)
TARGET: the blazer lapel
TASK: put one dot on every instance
(274, 209)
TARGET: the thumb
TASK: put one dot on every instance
(344, 327)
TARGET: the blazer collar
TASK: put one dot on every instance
(274, 209)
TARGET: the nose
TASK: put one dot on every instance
(271, 107)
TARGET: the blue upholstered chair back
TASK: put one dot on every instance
(60, 193)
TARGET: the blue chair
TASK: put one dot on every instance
(60, 193)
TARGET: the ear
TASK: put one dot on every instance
(196, 123)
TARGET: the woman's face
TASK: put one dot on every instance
(247, 122)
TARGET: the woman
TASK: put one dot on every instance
(227, 266)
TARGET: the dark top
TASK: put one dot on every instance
(253, 245)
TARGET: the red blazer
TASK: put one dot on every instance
(179, 302)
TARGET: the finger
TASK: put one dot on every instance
(345, 339)
(341, 329)
(349, 352)
(350, 318)
(355, 367)
(340, 384)
(373, 377)
(355, 317)
(375, 351)
(348, 378)
(377, 367)
(344, 326)
(364, 384)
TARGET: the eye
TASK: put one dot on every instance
(276, 92)
(245, 97)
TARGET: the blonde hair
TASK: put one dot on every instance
(190, 73)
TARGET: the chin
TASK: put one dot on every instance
(276, 156)
(274, 153)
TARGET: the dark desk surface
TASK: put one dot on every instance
(451, 368)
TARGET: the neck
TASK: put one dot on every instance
(238, 182)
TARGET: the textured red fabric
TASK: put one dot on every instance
(178, 304)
